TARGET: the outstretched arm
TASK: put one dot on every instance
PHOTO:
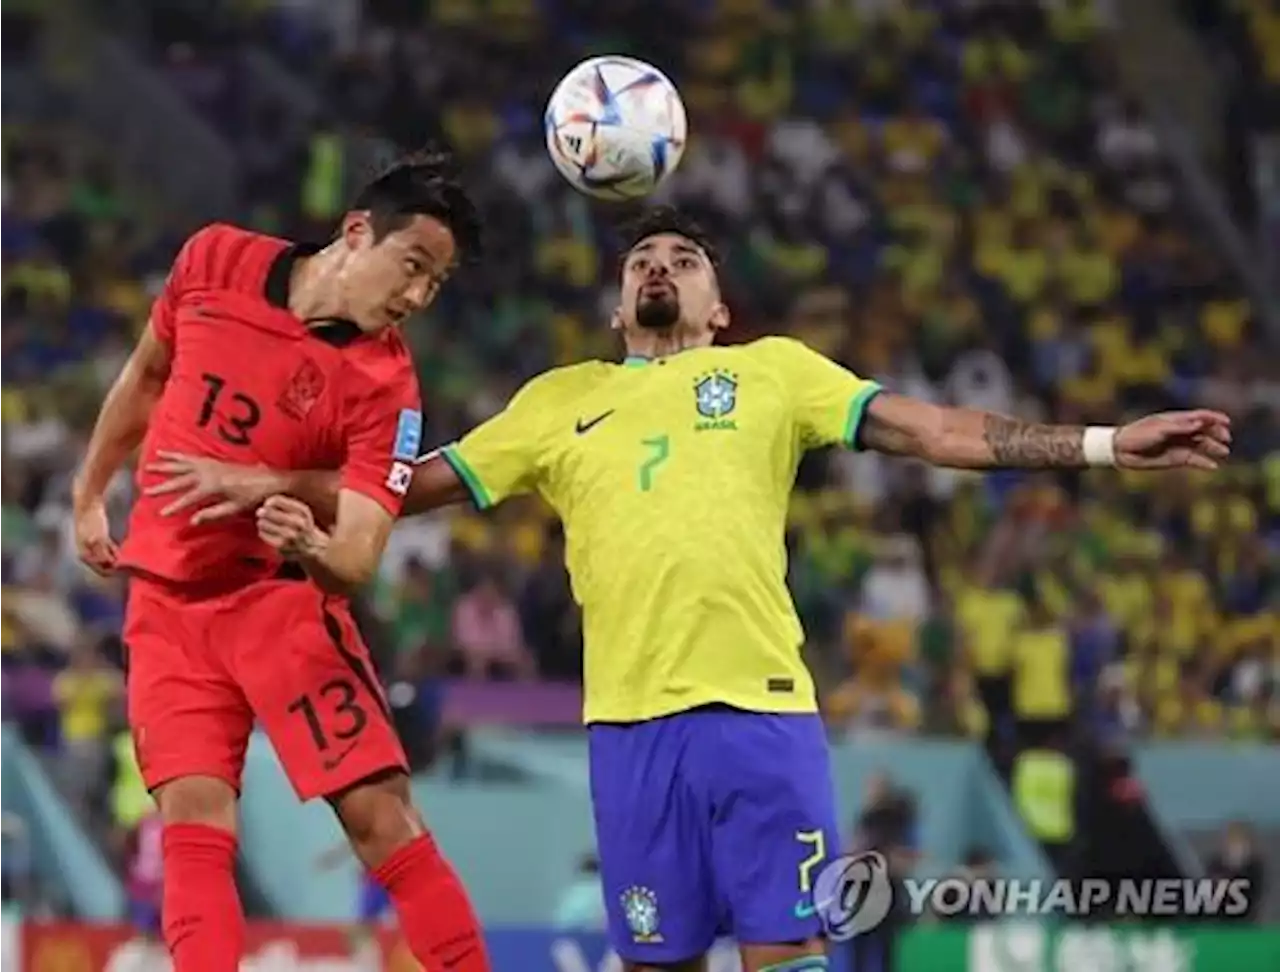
(217, 490)
(495, 460)
(966, 438)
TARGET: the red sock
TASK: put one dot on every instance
(435, 914)
(203, 922)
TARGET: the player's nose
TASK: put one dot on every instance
(418, 294)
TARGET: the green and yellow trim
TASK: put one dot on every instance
(479, 495)
(857, 411)
(802, 963)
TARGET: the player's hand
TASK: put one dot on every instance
(288, 525)
(1198, 439)
(94, 545)
(219, 489)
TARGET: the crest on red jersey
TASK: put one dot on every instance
(303, 391)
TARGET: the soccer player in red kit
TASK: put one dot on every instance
(287, 356)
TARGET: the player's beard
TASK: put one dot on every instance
(658, 313)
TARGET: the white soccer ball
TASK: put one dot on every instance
(615, 127)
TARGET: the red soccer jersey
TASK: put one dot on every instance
(252, 384)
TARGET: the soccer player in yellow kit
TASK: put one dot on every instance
(672, 472)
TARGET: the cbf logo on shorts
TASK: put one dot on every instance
(852, 895)
(640, 905)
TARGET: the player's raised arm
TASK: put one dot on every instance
(434, 485)
(498, 458)
(216, 490)
(834, 406)
(119, 430)
(346, 559)
(966, 438)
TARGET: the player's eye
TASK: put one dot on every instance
(686, 263)
(414, 267)
(640, 264)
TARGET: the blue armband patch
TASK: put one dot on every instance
(408, 435)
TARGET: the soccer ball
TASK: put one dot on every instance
(615, 127)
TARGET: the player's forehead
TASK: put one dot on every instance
(425, 237)
(667, 245)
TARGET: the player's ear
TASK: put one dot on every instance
(719, 317)
(615, 321)
(356, 229)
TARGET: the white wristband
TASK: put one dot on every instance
(1100, 445)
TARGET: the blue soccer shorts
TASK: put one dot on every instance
(711, 822)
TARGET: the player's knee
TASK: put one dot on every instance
(378, 816)
(198, 799)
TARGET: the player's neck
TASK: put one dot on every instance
(652, 345)
(313, 293)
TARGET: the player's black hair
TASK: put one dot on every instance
(422, 183)
(666, 219)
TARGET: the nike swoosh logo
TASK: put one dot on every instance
(333, 762)
(582, 426)
(805, 909)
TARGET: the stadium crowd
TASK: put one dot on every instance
(952, 198)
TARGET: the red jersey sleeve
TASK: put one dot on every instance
(209, 258)
(384, 433)
(164, 309)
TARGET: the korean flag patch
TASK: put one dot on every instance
(399, 478)
(408, 435)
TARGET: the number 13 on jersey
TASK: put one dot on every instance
(656, 451)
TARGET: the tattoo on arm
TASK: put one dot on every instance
(1030, 445)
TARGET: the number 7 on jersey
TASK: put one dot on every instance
(657, 449)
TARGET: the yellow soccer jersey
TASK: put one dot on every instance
(673, 478)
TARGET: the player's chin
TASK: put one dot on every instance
(658, 313)
(382, 320)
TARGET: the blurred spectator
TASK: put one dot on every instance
(1238, 858)
(1043, 785)
(416, 609)
(887, 824)
(895, 588)
(1041, 677)
(874, 697)
(144, 880)
(85, 693)
(989, 617)
(487, 634)
(130, 799)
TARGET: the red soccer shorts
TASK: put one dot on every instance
(202, 668)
